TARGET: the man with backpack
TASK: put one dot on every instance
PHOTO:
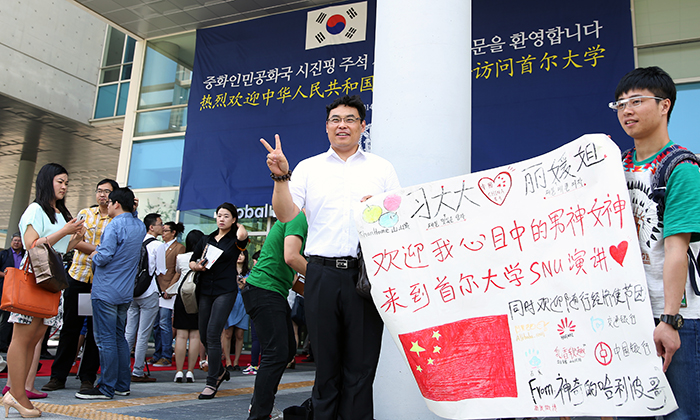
(144, 308)
(668, 225)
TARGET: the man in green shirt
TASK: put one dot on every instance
(265, 300)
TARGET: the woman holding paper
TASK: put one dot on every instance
(216, 257)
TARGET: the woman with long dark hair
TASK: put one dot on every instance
(218, 287)
(46, 220)
(187, 325)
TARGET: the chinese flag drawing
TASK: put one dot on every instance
(471, 358)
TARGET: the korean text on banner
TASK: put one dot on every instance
(518, 291)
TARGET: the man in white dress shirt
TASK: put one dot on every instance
(144, 308)
(345, 329)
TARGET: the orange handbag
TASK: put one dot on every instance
(22, 295)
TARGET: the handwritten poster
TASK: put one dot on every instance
(519, 291)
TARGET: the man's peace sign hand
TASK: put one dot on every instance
(276, 160)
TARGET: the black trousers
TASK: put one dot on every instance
(5, 330)
(272, 319)
(213, 313)
(346, 336)
(70, 333)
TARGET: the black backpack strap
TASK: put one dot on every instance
(670, 158)
(693, 271)
(143, 262)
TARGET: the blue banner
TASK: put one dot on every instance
(543, 74)
(266, 76)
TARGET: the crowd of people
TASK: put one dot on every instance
(315, 238)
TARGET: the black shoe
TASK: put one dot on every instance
(225, 377)
(309, 359)
(46, 355)
(54, 385)
(208, 396)
(91, 394)
(230, 368)
(236, 368)
(86, 385)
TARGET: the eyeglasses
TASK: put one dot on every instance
(634, 102)
(348, 120)
(106, 192)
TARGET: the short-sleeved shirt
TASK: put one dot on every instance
(95, 223)
(35, 217)
(681, 215)
(223, 275)
(329, 188)
(271, 272)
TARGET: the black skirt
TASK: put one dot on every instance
(182, 320)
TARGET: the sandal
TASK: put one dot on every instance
(204, 366)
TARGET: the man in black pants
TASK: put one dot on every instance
(345, 329)
(265, 299)
(80, 281)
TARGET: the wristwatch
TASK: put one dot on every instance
(676, 321)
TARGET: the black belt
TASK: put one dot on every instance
(343, 262)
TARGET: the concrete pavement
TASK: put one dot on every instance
(165, 399)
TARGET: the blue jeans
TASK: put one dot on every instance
(163, 335)
(109, 322)
(683, 373)
(272, 318)
(141, 315)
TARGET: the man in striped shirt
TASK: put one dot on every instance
(80, 281)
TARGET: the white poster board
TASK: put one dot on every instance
(519, 291)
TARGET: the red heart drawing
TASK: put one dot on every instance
(618, 252)
(497, 189)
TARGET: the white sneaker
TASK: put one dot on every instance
(178, 377)
(190, 377)
(276, 414)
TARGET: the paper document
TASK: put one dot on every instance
(84, 304)
(212, 253)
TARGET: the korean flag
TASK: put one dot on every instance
(336, 25)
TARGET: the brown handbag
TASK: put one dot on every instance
(22, 295)
(47, 266)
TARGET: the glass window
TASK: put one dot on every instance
(112, 97)
(123, 96)
(114, 49)
(160, 122)
(156, 163)
(681, 127)
(161, 202)
(126, 72)
(166, 80)
(129, 50)
(110, 75)
(106, 97)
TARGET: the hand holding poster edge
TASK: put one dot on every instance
(390, 265)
